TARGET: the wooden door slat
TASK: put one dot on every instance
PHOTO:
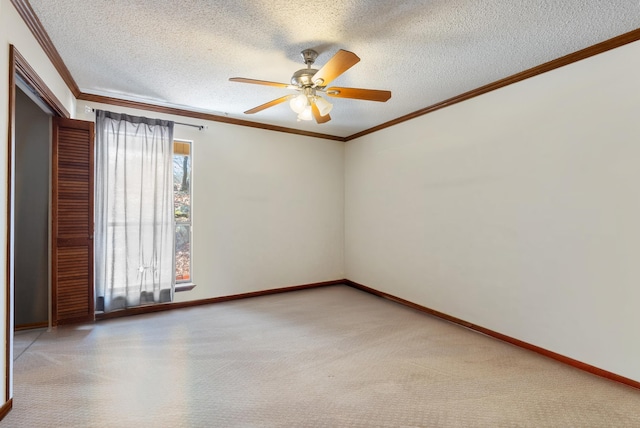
(72, 228)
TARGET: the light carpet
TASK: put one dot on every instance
(325, 357)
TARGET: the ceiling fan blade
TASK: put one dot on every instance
(359, 94)
(260, 82)
(317, 116)
(338, 64)
(269, 104)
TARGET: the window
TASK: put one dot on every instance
(182, 209)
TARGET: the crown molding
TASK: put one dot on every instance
(596, 49)
(28, 15)
(33, 22)
(199, 115)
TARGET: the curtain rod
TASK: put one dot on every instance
(200, 127)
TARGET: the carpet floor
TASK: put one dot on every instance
(325, 357)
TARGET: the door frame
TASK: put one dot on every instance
(18, 67)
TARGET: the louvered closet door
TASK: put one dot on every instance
(72, 221)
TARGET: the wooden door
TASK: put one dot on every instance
(72, 221)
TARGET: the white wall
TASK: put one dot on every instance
(518, 211)
(267, 207)
(14, 31)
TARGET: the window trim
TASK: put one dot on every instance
(184, 286)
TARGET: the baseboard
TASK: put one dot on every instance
(6, 408)
(75, 320)
(168, 306)
(550, 354)
(31, 326)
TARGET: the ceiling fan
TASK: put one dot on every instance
(310, 83)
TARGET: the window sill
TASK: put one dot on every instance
(184, 286)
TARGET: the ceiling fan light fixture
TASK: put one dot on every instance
(299, 103)
(305, 114)
(309, 81)
(324, 106)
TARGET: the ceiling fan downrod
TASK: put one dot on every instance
(303, 77)
(309, 57)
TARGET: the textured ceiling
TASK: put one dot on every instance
(181, 53)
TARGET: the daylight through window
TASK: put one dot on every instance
(182, 209)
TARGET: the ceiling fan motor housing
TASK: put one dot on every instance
(303, 77)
